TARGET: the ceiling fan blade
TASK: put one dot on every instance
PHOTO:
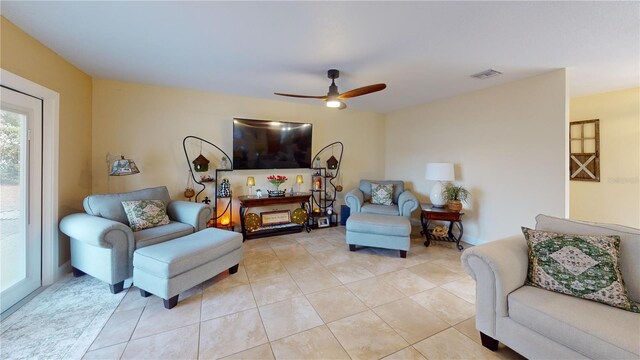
(362, 91)
(303, 96)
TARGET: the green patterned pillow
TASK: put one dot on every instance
(578, 265)
(144, 214)
(382, 194)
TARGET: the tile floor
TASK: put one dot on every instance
(305, 296)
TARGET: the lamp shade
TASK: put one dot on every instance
(251, 181)
(299, 179)
(439, 172)
(123, 167)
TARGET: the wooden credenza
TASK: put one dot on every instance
(247, 202)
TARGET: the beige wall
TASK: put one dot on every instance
(616, 198)
(148, 123)
(26, 57)
(508, 146)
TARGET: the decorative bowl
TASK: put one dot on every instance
(276, 193)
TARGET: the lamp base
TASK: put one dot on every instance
(437, 200)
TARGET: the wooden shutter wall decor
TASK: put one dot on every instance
(584, 150)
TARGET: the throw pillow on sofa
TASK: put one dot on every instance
(578, 265)
(382, 194)
(144, 214)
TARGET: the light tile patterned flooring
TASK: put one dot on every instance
(305, 296)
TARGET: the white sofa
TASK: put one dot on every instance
(541, 324)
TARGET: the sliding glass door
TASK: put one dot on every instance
(20, 196)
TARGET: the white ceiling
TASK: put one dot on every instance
(422, 50)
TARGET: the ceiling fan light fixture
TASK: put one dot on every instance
(334, 103)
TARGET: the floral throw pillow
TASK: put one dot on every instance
(578, 265)
(144, 214)
(382, 194)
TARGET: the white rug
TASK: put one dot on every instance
(59, 323)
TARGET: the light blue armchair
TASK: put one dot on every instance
(102, 243)
(404, 202)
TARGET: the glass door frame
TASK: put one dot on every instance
(51, 269)
(29, 206)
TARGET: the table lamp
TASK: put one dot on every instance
(299, 181)
(251, 182)
(439, 172)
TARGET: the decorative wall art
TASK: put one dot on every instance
(584, 150)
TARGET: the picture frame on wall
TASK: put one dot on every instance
(323, 222)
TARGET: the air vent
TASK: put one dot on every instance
(486, 74)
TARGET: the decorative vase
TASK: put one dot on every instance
(455, 205)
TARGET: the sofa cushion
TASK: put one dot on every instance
(382, 194)
(365, 187)
(380, 209)
(172, 258)
(595, 330)
(109, 206)
(629, 244)
(162, 233)
(144, 214)
(585, 266)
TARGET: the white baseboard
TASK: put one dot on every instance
(472, 240)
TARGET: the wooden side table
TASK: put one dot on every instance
(430, 213)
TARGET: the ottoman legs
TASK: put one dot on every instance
(233, 269)
(352, 247)
(168, 304)
(144, 293)
(403, 254)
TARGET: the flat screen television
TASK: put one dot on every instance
(260, 144)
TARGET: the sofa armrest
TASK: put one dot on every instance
(192, 213)
(407, 202)
(499, 267)
(354, 200)
(96, 231)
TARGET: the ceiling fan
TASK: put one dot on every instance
(334, 98)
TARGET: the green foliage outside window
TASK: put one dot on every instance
(9, 148)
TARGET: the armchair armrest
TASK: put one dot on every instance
(407, 202)
(354, 200)
(96, 231)
(499, 267)
(192, 213)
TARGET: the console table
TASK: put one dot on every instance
(247, 202)
(429, 213)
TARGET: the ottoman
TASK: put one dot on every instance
(382, 231)
(171, 267)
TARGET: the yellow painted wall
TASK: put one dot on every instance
(616, 198)
(508, 146)
(147, 123)
(26, 57)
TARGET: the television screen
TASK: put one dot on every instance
(259, 144)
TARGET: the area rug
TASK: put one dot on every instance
(59, 323)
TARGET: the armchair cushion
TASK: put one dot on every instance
(144, 214)
(162, 233)
(382, 194)
(365, 187)
(380, 209)
(109, 206)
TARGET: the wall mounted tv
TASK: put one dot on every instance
(260, 144)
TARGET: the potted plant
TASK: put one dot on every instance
(455, 195)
